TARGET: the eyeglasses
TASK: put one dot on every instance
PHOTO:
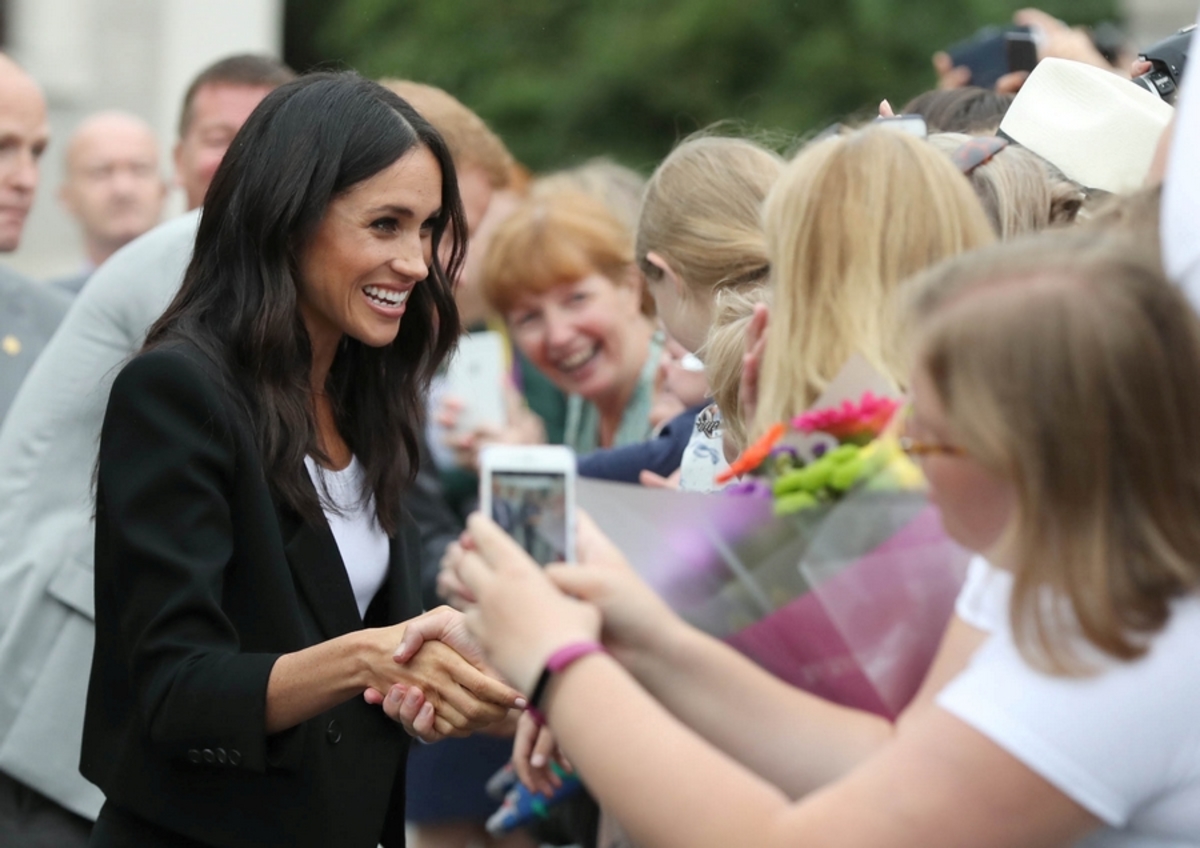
(919, 449)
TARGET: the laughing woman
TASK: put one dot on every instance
(254, 569)
(561, 272)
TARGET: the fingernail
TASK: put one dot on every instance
(520, 703)
(394, 695)
(537, 760)
(885, 103)
(411, 698)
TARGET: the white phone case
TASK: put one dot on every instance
(475, 377)
(539, 510)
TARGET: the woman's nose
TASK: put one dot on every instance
(409, 261)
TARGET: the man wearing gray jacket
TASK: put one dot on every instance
(48, 449)
(29, 313)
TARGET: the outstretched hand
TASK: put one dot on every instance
(520, 617)
(443, 687)
(634, 616)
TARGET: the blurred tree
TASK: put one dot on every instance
(563, 81)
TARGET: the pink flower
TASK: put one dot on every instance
(855, 423)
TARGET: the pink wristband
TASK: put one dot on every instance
(558, 662)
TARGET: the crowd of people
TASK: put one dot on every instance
(241, 566)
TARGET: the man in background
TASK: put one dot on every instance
(29, 313)
(113, 187)
(47, 452)
(215, 106)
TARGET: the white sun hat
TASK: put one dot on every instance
(1099, 129)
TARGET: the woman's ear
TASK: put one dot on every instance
(669, 276)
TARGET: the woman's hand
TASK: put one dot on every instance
(523, 427)
(450, 589)
(1057, 39)
(534, 752)
(520, 617)
(635, 617)
(446, 676)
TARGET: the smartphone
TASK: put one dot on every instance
(529, 490)
(914, 125)
(1021, 51)
(986, 54)
(475, 376)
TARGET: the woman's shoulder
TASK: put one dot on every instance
(176, 368)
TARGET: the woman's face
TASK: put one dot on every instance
(374, 245)
(582, 335)
(687, 319)
(976, 505)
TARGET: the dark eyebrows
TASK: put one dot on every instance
(400, 211)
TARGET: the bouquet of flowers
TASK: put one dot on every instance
(825, 563)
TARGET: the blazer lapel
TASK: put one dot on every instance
(316, 563)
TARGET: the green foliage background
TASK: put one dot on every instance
(563, 80)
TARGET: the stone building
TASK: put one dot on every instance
(134, 55)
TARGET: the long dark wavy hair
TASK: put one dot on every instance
(307, 143)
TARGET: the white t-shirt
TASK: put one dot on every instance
(1181, 190)
(361, 541)
(704, 457)
(1124, 743)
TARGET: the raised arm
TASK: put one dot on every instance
(938, 784)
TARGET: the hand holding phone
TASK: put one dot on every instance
(530, 492)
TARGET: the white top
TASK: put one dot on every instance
(1181, 191)
(361, 541)
(704, 457)
(1124, 743)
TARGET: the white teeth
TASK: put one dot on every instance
(389, 297)
(578, 359)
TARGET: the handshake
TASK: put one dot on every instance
(443, 687)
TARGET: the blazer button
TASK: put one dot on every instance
(209, 756)
(235, 757)
(193, 755)
(221, 756)
(334, 732)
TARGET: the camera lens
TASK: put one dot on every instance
(1160, 82)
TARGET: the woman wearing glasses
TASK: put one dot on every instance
(1056, 417)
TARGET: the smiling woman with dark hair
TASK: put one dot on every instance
(252, 556)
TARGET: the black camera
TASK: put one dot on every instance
(1169, 58)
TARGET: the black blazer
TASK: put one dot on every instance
(203, 579)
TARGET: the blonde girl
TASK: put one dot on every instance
(850, 218)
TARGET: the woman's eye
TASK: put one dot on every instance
(429, 225)
(523, 319)
(387, 225)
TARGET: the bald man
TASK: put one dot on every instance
(112, 187)
(29, 313)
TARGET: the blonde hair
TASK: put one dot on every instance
(850, 217)
(1021, 192)
(723, 352)
(1069, 365)
(702, 212)
(1135, 216)
(554, 238)
(470, 141)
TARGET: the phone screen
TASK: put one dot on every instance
(531, 506)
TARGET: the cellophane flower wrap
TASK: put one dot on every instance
(824, 562)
